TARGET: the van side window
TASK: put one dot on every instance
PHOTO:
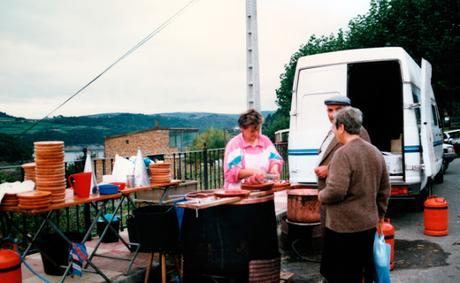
(434, 121)
(416, 98)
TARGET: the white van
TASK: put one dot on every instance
(399, 112)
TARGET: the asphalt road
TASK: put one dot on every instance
(418, 257)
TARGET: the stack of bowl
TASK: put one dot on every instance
(34, 200)
(50, 169)
(10, 200)
(160, 173)
(29, 171)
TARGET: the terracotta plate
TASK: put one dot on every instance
(231, 193)
(258, 187)
(34, 194)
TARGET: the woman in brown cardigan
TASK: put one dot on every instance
(355, 197)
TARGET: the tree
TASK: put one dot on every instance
(214, 138)
(13, 150)
(424, 28)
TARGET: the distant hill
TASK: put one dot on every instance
(91, 129)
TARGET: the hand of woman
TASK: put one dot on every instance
(257, 177)
(275, 173)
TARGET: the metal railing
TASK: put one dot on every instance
(204, 166)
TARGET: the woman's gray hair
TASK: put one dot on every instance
(250, 118)
(351, 118)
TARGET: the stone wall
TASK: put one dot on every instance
(150, 142)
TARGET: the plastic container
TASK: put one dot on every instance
(54, 251)
(155, 228)
(436, 216)
(10, 264)
(108, 189)
(110, 236)
(389, 233)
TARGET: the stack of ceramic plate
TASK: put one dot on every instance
(160, 173)
(10, 200)
(29, 171)
(34, 200)
(50, 169)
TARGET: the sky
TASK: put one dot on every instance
(49, 49)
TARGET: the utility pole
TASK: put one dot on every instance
(252, 56)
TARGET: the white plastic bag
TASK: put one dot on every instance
(381, 259)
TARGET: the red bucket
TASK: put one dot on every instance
(81, 183)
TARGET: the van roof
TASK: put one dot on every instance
(410, 69)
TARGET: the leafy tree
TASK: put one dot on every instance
(214, 138)
(424, 28)
(14, 150)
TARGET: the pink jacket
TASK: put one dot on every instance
(235, 151)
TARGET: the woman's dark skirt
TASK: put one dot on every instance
(347, 255)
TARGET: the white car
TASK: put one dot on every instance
(448, 155)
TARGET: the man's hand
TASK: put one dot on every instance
(321, 171)
(380, 226)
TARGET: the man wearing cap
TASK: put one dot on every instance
(331, 144)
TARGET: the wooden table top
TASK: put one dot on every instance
(128, 191)
(73, 200)
(211, 201)
(69, 201)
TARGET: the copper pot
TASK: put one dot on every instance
(303, 205)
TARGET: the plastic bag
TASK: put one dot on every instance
(381, 259)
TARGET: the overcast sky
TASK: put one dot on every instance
(50, 49)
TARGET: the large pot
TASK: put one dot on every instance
(303, 205)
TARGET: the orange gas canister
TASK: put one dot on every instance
(436, 216)
(389, 233)
(10, 264)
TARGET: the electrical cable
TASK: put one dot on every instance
(304, 258)
(134, 48)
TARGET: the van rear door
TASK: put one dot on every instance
(426, 132)
(309, 123)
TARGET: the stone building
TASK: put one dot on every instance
(151, 142)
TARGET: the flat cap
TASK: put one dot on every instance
(338, 100)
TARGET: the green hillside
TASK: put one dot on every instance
(85, 130)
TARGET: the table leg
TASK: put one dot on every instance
(148, 268)
(88, 260)
(107, 227)
(163, 267)
(35, 237)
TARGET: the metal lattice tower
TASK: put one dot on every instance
(252, 56)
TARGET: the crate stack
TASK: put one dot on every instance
(50, 169)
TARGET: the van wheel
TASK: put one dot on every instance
(439, 178)
(422, 196)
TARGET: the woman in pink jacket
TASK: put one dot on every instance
(250, 155)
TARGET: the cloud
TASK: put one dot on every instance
(49, 49)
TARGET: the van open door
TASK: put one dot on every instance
(426, 132)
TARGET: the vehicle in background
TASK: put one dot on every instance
(453, 137)
(448, 155)
(398, 105)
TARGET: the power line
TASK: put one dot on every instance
(134, 48)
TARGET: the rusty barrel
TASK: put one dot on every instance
(231, 243)
(303, 205)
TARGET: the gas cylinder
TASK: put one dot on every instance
(436, 216)
(10, 264)
(389, 233)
